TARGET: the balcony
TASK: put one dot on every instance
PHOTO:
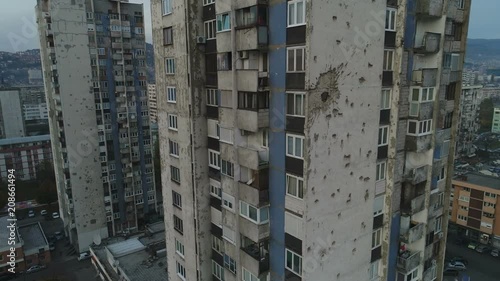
(430, 274)
(411, 231)
(429, 44)
(408, 261)
(452, 46)
(255, 232)
(251, 38)
(413, 206)
(250, 120)
(255, 257)
(421, 110)
(417, 175)
(252, 158)
(255, 191)
(418, 143)
(425, 77)
(430, 8)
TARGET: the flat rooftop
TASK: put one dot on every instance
(126, 247)
(32, 236)
(479, 179)
(140, 266)
(20, 140)
(4, 234)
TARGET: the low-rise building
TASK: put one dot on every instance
(35, 244)
(495, 124)
(474, 211)
(137, 258)
(5, 248)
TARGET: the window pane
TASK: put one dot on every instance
(252, 213)
(299, 59)
(290, 104)
(301, 189)
(291, 13)
(298, 147)
(289, 258)
(291, 56)
(299, 99)
(300, 12)
(290, 145)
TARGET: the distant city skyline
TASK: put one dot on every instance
(19, 32)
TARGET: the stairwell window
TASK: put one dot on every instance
(295, 186)
(178, 224)
(177, 199)
(295, 104)
(223, 22)
(296, 13)
(383, 135)
(175, 174)
(385, 99)
(296, 59)
(210, 29)
(381, 171)
(171, 95)
(227, 168)
(388, 60)
(376, 238)
(390, 19)
(228, 202)
(181, 270)
(295, 146)
(419, 128)
(293, 262)
(214, 159)
(167, 36)
(179, 248)
(217, 271)
(172, 122)
(167, 7)
(208, 2)
(212, 97)
(173, 148)
(170, 66)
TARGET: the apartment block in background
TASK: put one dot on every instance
(474, 212)
(99, 120)
(469, 124)
(11, 115)
(495, 123)
(152, 102)
(299, 133)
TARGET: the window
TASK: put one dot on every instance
(385, 99)
(294, 146)
(208, 2)
(383, 134)
(462, 218)
(461, 4)
(390, 19)
(167, 7)
(179, 248)
(376, 238)
(412, 276)
(181, 271)
(212, 97)
(419, 128)
(229, 263)
(438, 223)
(420, 95)
(224, 61)
(215, 189)
(177, 199)
(295, 104)
(248, 276)
(223, 22)
(491, 195)
(175, 174)
(256, 215)
(228, 234)
(217, 271)
(467, 189)
(251, 16)
(488, 215)
(374, 270)
(464, 208)
(90, 16)
(378, 206)
(294, 186)
(167, 36)
(172, 122)
(442, 174)
(464, 198)
(488, 204)
(171, 94)
(296, 59)
(388, 60)
(440, 201)
(216, 244)
(227, 168)
(448, 120)
(178, 224)
(265, 138)
(226, 135)
(227, 201)
(214, 159)
(381, 171)
(139, 30)
(253, 100)
(173, 148)
(293, 262)
(296, 13)
(210, 30)
(169, 65)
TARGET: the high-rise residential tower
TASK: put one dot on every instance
(93, 59)
(307, 140)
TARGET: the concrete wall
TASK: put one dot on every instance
(12, 115)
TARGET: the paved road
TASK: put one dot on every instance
(482, 267)
(49, 226)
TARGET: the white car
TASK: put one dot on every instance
(35, 268)
(55, 215)
(456, 265)
(31, 214)
(43, 212)
(495, 252)
(83, 256)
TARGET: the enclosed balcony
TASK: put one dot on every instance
(253, 158)
(430, 8)
(253, 111)
(425, 77)
(417, 175)
(408, 261)
(254, 232)
(254, 186)
(452, 46)
(414, 205)
(429, 43)
(255, 256)
(421, 110)
(411, 231)
(430, 274)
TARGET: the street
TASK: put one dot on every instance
(481, 267)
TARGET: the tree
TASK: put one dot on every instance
(486, 114)
(45, 171)
(47, 192)
(157, 164)
(3, 195)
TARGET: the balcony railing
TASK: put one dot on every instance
(258, 252)
(425, 77)
(414, 233)
(429, 44)
(413, 206)
(430, 274)
(253, 158)
(430, 8)
(417, 175)
(408, 261)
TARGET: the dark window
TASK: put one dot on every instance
(250, 16)
(457, 31)
(450, 91)
(448, 120)
(178, 225)
(177, 199)
(167, 36)
(253, 101)
(224, 61)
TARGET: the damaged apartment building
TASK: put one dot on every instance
(93, 57)
(307, 140)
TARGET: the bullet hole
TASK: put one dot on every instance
(338, 189)
(339, 215)
(316, 201)
(370, 65)
(367, 179)
(325, 96)
(367, 195)
(316, 136)
(348, 135)
(352, 173)
(335, 111)
(347, 165)
(353, 251)
(332, 195)
(363, 225)
(338, 42)
(324, 177)
(93, 221)
(334, 18)
(361, 178)
(348, 24)
(347, 156)
(315, 58)
(363, 131)
(338, 275)
(322, 252)
(341, 143)
(340, 113)
(312, 189)
(309, 248)
(352, 104)
(362, 80)
(328, 116)
(364, 124)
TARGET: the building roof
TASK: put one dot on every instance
(24, 140)
(32, 236)
(140, 266)
(156, 227)
(481, 180)
(4, 234)
(126, 247)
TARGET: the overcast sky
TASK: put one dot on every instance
(18, 28)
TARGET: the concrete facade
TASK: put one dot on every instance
(470, 100)
(98, 115)
(152, 103)
(308, 139)
(495, 125)
(11, 122)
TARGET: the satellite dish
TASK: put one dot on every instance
(97, 239)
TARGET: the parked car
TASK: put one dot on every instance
(55, 215)
(43, 212)
(35, 268)
(84, 256)
(52, 246)
(460, 259)
(482, 249)
(495, 252)
(58, 235)
(456, 265)
(472, 245)
(31, 214)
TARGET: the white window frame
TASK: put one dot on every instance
(245, 212)
(208, 2)
(385, 99)
(376, 238)
(461, 4)
(425, 94)
(381, 171)
(171, 94)
(173, 122)
(413, 274)
(462, 218)
(419, 127)
(294, 144)
(181, 271)
(295, 50)
(212, 97)
(167, 7)
(179, 248)
(391, 19)
(217, 271)
(298, 186)
(442, 174)
(227, 168)
(217, 244)
(464, 198)
(294, 256)
(230, 263)
(438, 224)
(215, 189)
(228, 202)
(246, 275)
(298, 97)
(173, 148)
(214, 159)
(210, 29)
(388, 62)
(292, 21)
(374, 270)
(383, 139)
(169, 66)
(218, 18)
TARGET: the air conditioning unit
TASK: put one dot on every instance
(201, 40)
(243, 54)
(440, 235)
